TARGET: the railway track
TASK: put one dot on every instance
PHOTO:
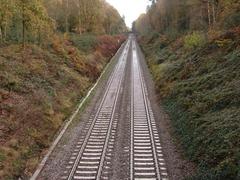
(146, 157)
(92, 155)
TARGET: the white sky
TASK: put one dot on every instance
(131, 9)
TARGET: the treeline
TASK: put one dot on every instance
(174, 17)
(36, 20)
(94, 16)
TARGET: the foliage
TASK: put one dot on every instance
(175, 18)
(85, 16)
(232, 20)
(106, 44)
(113, 23)
(42, 79)
(38, 92)
(85, 42)
(36, 21)
(200, 90)
(6, 13)
(194, 40)
(195, 63)
(29, 16)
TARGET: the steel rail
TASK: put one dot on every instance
(148, 117)
(76, 162)
(110, 125)
(149, 121)
(132, 126)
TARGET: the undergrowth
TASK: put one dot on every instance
(200, 90)
(39, 88)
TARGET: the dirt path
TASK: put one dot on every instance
(123, 133)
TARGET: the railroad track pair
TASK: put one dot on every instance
(92, 156)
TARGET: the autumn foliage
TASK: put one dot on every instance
(39, 88)
(107, 44)
(51, 52)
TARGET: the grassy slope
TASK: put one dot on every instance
(39, 89)
(201, 91)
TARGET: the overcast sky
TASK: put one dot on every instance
(131, 9)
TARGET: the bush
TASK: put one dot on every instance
(199, 89)
(172, 33)
(39, 91)
(108, 45)
(232, 20)
(194, 40)
(85, 42)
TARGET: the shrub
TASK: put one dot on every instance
(85, 42)
(172, 33)
(232, 20)
(194, 40)
(107, 45)
(199, 90)
(39, 91)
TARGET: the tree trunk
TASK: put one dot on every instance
(23, 33)
(23, 27)
(5, 32)
(1, 35)
(39, 36)
(66, 18)
(79, 17)
(213, 13)
(209, 14)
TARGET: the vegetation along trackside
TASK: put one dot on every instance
(193, 51)
(51, 52)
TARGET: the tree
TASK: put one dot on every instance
(34, 19)
(113, 22)
(66, 4)
(6, 13)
